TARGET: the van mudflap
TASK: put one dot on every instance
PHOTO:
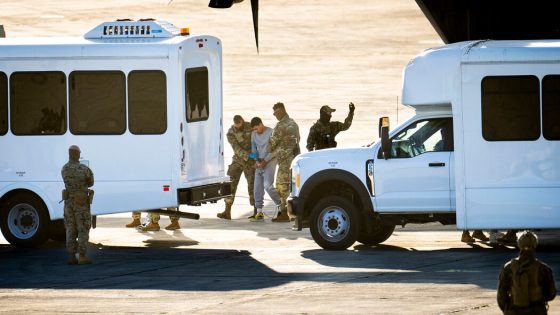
(195, 196)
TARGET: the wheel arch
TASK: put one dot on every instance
(9, 192)
(335, 181)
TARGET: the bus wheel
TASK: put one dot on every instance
(334, 223)
(25, 221)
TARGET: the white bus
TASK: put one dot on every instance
(482, 150)
(143, 101)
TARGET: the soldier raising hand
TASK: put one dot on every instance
(322, 134)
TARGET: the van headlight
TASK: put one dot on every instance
(296, 181)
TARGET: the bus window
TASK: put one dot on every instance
(510, 108)
(551, 107)
(147, 102)
(197, 100)
(3, 104)
(97, 102)
(38, 103)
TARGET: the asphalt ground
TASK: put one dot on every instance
(213, 266)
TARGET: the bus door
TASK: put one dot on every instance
(202, 150)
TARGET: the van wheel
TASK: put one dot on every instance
(379, 234)
(25, 221)
(334, 223)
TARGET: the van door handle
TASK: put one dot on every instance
(436, 164)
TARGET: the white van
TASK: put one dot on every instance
(143, 101)
(482, 151)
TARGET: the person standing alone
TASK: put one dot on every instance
(526, 284)
(77, 198)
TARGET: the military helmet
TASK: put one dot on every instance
(527, 239)
(74, 148)
(327, 110)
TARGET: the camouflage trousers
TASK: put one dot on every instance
(154, 217)
(283, 182)
(77, 221)
(234, 171)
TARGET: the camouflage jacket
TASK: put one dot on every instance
(76, 176)
(321, 135)
(240, 142)
(284, 142)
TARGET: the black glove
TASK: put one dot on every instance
(351, 107)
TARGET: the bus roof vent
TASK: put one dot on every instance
(145, 28)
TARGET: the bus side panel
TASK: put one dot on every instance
(132, 172)
(507, 184)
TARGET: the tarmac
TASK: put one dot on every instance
(214, 266)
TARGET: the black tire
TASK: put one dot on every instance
(334, 223)
(25, 220)
(379, 234)
(58, 231)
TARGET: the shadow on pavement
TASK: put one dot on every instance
(188, 269)
(134, 268)
(267, 229)
(393, 264)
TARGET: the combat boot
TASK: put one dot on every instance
(134, 223)
(480, 236)
(84, 260)
(282, 217)
(509, 238)
(466, 238)
(72, 260)
(152, 227)
(226, 214)
(173, 226)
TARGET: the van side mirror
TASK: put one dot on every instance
(384, 135)
(383, 121)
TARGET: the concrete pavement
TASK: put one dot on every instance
(214, 266)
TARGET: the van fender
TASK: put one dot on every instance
(337, 175)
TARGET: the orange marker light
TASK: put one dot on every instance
(185, 31)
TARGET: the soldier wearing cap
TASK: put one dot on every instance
(77, 198)
(526, 284)
(239, 137)
(283, 145)
(323, 132)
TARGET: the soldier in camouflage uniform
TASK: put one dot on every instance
(77, 215)
(239, 136)
(323, 132)
(526, 284)
(284, 145)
